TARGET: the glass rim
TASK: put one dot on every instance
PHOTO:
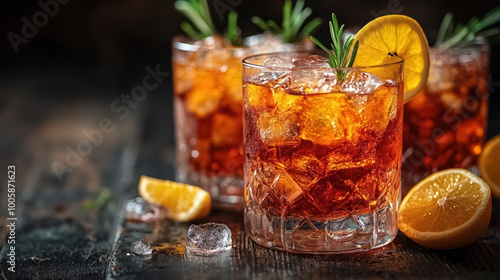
(183, 42)
(246, 63)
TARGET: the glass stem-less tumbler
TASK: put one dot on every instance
(445, 125)
(208, 112)
(322, 153)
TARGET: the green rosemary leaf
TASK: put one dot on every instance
(293, 19)
(445, 29)
(261, 23)
(473, 25)
(464, 35)
(233, 32)
(339, 39)
(205, 12)
(193, 15)
(298, 21)
(321, 45)
(491, 17)
(332, 36)
(456, 38)
(341, 55)
(309, 28)
(190, 31)
(201, 24)
(334, 51)
(353, 54)
(346, 48)
(297, 10)
(273, 26)
(335, 24)
(489, 32)
(287, 31)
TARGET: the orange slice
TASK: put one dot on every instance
(184, 202)
(489, 160)
(391, 38)
(449, 209)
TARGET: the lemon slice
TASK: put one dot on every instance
(184, 202)
(390, 38)
(449, 209)
(489, 160)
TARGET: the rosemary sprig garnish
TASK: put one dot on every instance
(200, 23)
(341, 55)
(293, 19)
(233, 33)
(462, 35)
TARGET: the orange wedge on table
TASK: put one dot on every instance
(449, 209)
(184, 202)
(390, 38)
(489, 165)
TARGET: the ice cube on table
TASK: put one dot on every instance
(141, 247)
(139, 209)
(208, 238)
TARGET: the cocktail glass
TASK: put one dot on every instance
(445, 124)
(322, 156)
(208, 112)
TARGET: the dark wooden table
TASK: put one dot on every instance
(58, 238)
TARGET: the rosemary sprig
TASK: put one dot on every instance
(105, 198)
(462, 35)
(200, 24)
(233, 33)
(293, 19)
(341, 55)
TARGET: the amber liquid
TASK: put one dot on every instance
(322, 156)
(444, 126)
(208, 116)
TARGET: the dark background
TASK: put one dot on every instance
(98, 50)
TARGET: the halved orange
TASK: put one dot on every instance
(391, 38)
(449, 209)
(183, 202)
(489, 162)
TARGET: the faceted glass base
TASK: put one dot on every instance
(349, 234)
(226, 192)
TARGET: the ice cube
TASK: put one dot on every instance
(381, 107)
(312, 61)
(304, 169)
(307, 81)
(141, 247)
(275, 130)
(263, 43)
(329, 119)
(304, 80)
(208, 238)
(226, 130)
(268, 43)
(360, 82)
(212, 42)
(232, 81)
(140, 210)
(274, 62)
(443, 71)
(205, 94)
(452, 101)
